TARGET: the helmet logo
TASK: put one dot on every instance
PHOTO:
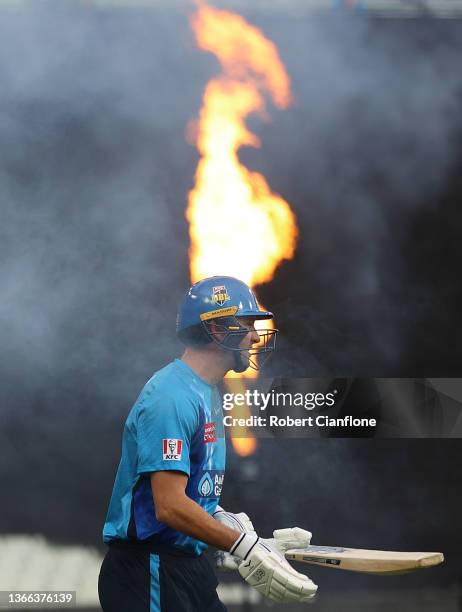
(220, 295)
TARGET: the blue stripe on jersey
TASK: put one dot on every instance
(144, 513)
(155, 584)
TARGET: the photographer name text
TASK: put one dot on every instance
(287, 421)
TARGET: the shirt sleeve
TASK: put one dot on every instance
(165, 427)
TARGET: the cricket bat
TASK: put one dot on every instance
(368, 561)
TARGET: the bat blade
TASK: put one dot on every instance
(367, 561)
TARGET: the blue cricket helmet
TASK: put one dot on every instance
(210, 312)
(218, 296)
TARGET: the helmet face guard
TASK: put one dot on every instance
(224, 328)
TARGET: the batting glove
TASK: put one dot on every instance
(224, 561)
(291, 537)
(264, 567)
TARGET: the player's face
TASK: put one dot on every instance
(239, 361)
(252, 337)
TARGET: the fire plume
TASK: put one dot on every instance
(238, 226)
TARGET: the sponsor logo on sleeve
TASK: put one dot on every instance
(209, 432)
(211, 483)
(172, 449)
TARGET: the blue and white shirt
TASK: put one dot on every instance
(175, 424)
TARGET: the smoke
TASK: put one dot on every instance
(95, 172)
(367, 151)
(94, 169)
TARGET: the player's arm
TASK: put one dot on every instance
(175, 509)
(261, 565)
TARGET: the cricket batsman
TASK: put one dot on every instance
(164, 507)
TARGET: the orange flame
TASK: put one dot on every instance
(244, 446)
(238, 226)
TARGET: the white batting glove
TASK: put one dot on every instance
(224, 561)
(264, 567)
(292, 537)
(238, 522)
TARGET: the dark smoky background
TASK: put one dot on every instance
(94, 175)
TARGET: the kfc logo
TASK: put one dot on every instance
(171, 449)
(209, 433)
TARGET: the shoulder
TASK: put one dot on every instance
(169, 389)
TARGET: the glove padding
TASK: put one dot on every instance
(282, 540)
(291, 537)
(265, 568)
(225, 562)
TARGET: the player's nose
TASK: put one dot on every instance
(254, 337)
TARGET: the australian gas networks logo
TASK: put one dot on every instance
(211, 483)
